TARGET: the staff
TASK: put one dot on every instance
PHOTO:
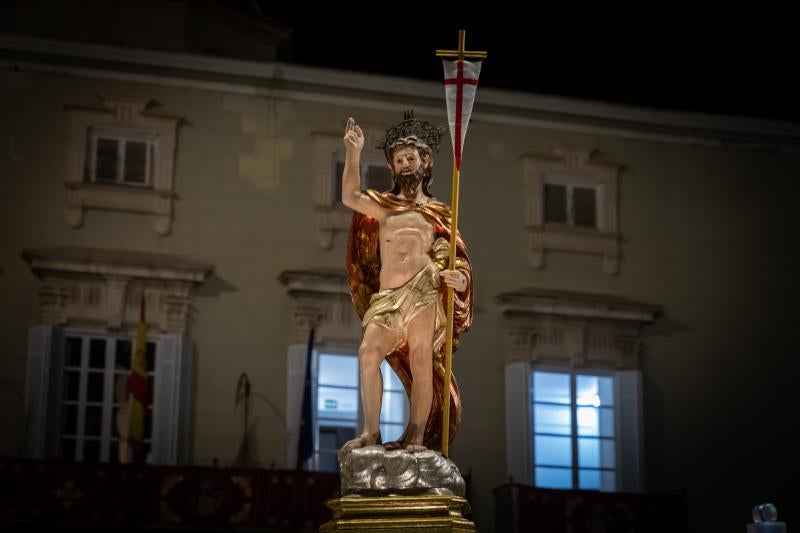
(461, 82)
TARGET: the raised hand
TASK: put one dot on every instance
(353, 137)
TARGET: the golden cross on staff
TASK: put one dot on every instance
(461, 53)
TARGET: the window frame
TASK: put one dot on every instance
(629, 444)
(109, 401)
(172, 389)
(575, 467)
(359, 419)
(368, 160)
(122, 138)
(331, 216)
(571, 183)
(125, 116)
(584, 168)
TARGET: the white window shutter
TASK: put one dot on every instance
(37, 381)
(629, 401)
(295, 378)
(185, 392)
(166, 401)
(518, 434)
(55, 392)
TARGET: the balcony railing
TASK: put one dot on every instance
(522, 508)
(94, 495)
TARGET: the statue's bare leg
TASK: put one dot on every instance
(374, 348)
(420, 351)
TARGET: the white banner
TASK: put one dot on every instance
(460, 85)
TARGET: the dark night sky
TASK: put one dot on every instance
(730, 63)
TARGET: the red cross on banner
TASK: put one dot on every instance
(461, 83)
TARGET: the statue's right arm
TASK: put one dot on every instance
(352, 195)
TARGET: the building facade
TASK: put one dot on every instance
(632, 286)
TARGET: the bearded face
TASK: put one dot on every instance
(408, 170)
(409, 182)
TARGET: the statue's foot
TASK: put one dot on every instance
(415, 447)
(365, 439)
(400, 445)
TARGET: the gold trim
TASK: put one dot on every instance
(398, 514)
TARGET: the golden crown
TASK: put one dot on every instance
(420, 133)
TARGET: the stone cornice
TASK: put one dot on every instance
(95, 261)
(384, 92)
(575, 305)
(105, 288)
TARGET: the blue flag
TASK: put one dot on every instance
(305, 444)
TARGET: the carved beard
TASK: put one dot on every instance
(409, 183)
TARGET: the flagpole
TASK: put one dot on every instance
(459, 54)
(137, 390)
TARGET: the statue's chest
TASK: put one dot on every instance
(408, 220)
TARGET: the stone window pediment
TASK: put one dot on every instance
(104, 288)
(574, 329)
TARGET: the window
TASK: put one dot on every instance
(338, 417)
(573, 400)
(378, 177)
(374, 175)
(327, 163)
(574, 435)
(570, 204)
(93, 389)
(337, 401)
(573, 429)
(122, 158)
(76, 382)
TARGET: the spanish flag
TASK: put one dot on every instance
(137, 391)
